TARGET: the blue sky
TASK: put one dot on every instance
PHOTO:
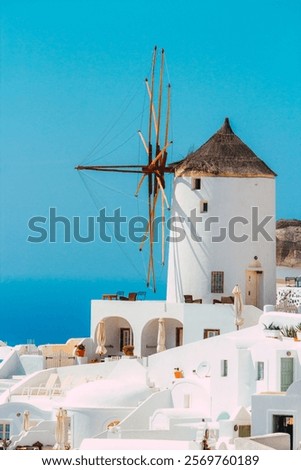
(72, 76)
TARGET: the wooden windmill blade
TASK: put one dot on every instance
(160, 105)
(112, 168)
(163, 157)
(163, 162)
(167, 124)
(155, 169)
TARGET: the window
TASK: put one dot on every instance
(4, 431)
(125, 337)
(208, 333)
(260, 370)
(224, 368)
(290, 281)
(244, 430)
(196, 183)
(179, 336)
(204, 206)
(217, 282)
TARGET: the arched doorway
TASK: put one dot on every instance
(149, 337)
(119, 333)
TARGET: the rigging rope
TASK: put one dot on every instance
(123, 109)
(138, 176)
(124, 252)
(114, 149)
(98, 158)
(123, 193)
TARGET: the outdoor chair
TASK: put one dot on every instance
(141, 295)
(188, 299)
(65, 384)
(44, 388)
(227, 300)
(132, 296)
(120, 294)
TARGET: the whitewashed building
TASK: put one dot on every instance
(222, 193)
(235, 384)
(206, 372)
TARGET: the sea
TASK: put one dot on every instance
(53, 310)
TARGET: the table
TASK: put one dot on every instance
(109, 297)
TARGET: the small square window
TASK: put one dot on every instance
(260, 370)
(208, 333)
(224, 368)
(204, 206)
(196, 183)
(244, 430)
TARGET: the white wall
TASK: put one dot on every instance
(11, 365)
(191, 262)
(278, 441)
(32, 362)
(227, 393)
(198, 317)
(265, 406)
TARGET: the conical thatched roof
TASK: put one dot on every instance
(224, 154)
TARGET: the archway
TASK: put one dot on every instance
(149, 336)
(118, 334)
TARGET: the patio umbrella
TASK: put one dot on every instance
(161, 336)
(238, 306)
(26, 421)
(101, 338)
(61, 430)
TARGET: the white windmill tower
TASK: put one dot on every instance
(223, 216)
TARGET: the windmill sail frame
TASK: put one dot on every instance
(154, 171)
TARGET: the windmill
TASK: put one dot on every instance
(155, 144)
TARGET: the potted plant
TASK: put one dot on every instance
(128, 350)
(272, 330)
(288, 331)
(80, 350)
(298, 331)
(178, 373)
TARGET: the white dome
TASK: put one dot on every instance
(104, 393)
